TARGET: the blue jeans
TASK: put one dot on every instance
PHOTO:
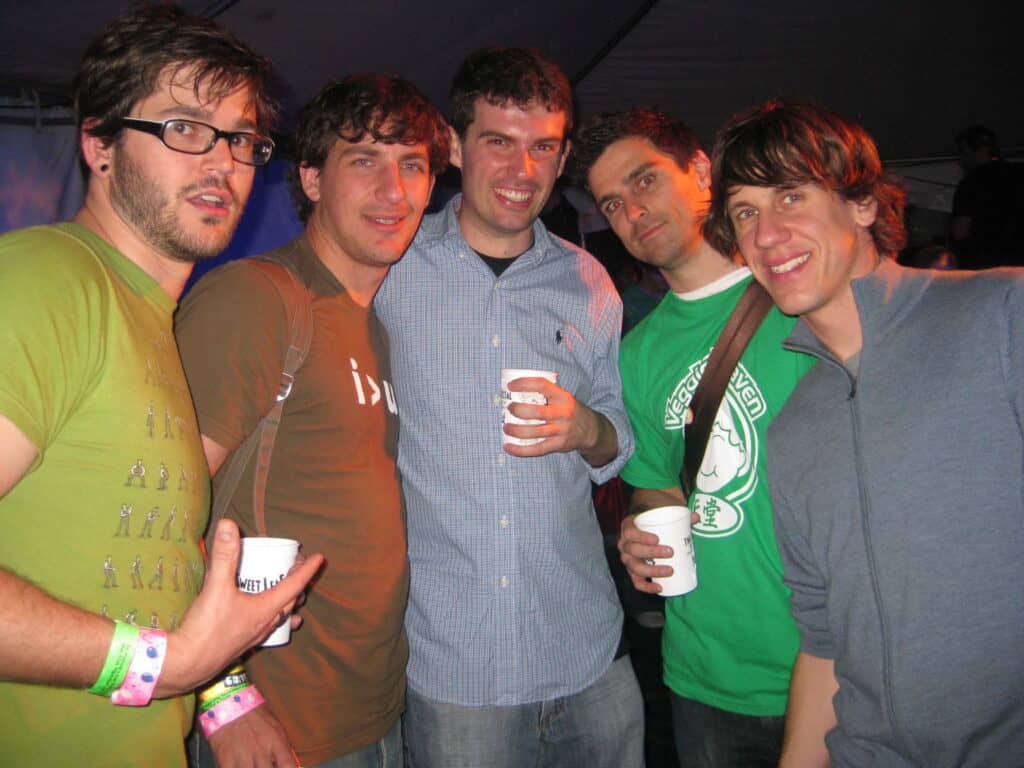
(599, 727)
(708, 737)
(386, 753)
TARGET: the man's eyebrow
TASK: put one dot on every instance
(361, 148)
(190, 112)
(639, 171)
(492, 134)
(632, 176)
(418, 152)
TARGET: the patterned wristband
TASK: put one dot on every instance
(138, 685)
(233, 707)
(122, 650)
(233, 679)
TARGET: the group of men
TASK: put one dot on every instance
(860, 595)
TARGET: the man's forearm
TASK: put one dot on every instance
(810, 714)
(606, 444)
(649, 498)
(46, 641)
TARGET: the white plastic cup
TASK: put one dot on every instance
(511, 374)
(672, 526)
(266, 561)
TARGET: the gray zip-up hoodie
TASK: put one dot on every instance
(899, 508)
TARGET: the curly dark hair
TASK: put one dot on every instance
(779, 144)
(385, 107)
(124, 64)
(501, 75)
(668, 134)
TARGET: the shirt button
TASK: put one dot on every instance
(504, 521)
(503, 581)
(497, 401)
(495, 341)
(501, 460)
(462, 255)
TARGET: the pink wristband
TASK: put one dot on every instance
(230, 709)
(144, 671)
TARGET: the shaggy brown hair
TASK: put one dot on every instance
(124, 64)
(785, 145)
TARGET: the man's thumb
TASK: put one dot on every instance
(223, 561)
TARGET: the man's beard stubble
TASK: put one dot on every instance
(144, 205)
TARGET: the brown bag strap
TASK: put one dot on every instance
(299, 310)
(744, 321)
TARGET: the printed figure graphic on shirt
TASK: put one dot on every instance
(168, 430)
(725, 456)
(185, 527)
(157, 582)
(129, 617)
(164, 477)
(197, 577)
(109, 573)
(147, 527)
(124, 520)
(136, 471)
(165, 532)
(182, 478)
(150, 418)
(136, 572)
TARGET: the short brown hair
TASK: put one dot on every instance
(500, 76)
(669, 135)
(123, 66)
(783, 145)
(386, 108)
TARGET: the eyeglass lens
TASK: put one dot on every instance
(198, 138)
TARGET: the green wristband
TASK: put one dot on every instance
(119, 658)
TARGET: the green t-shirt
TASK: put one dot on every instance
(731, 642)
(108, 518)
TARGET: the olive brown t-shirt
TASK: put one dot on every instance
(339, 684)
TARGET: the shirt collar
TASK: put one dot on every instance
(882, 297)
(451, 232)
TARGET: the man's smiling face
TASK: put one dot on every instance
(510, 158)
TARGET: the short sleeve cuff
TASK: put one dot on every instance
(18, 415)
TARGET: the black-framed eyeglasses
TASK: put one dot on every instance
(195, 138)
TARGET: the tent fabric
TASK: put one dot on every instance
(39, 177)
(914, 72)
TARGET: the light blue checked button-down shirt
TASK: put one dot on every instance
(511, 599)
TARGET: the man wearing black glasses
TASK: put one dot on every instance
(195, 138)
(99, 447)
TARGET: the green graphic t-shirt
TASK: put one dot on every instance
(731, 642)
(108, 517)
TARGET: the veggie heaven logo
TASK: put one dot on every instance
(728, 475)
